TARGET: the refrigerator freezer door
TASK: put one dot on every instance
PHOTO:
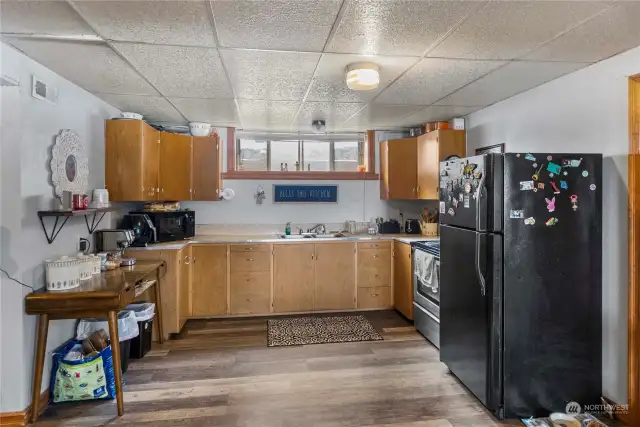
(552, 282)
(470, 313)
(471, 192)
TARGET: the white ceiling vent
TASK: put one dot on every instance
(43, 91)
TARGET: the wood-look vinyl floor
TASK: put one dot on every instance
(221, 373)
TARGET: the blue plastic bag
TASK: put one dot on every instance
(86, 379)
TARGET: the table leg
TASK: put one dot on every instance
(41, 347)
(115, 350)
(159, 308)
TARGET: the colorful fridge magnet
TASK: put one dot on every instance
(555, 189)
(585, 173)
(551, 204)
(466, 201)
(530, 156)
(467, 188)
(563, 185)
(530, 221)
(460, 197)
(535, 165)
(541, 185)
(468, 170)
(455, 203)
(571, 163)
(592, 187)
(553, 168)
(549, 158)
(526, 185)
(452, 212)
(551, 221)
(516, 214)
(535, 176)
(551, 175)
(518, 155)
(477, 175)
(574, 202)
(565, 173)
(443, 208)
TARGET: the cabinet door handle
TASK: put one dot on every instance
(418, 190)
(316, 256)
(375, 256)
(193, 259)
(249, 259)
(186, 260)
(374, 295)
(311, 256)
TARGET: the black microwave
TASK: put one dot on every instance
(172, 226)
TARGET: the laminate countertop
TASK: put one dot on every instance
(270, 238)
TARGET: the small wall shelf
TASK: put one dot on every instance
(66, 215)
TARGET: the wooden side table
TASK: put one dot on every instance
(102, 296)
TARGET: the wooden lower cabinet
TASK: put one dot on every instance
(335, 276)
(374, 297)
(293, 277)
(250, 292)
(402, 279)
(184, 285)
(209, 282)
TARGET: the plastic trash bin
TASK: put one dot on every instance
(141, 344)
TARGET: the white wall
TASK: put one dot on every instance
(357, 201)
(28, 130)
(586, 111)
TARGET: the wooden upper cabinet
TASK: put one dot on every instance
(398, 169)
(433, 148)
(206, 168)
(131, 160)
(335, 276)
(293, 277)
(175, 166)
(402, 279)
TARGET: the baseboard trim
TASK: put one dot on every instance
(624, 417)
(21, 419)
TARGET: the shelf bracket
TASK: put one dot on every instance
(54, 232)
(94, 224)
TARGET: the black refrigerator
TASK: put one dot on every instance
(521, 279)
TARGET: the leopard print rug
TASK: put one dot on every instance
(320, 330)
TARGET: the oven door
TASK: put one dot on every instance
(426, 296)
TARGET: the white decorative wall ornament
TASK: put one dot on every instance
(69, 164)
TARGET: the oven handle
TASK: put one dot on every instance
(422, 309)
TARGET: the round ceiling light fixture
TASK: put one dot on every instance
(363, 76)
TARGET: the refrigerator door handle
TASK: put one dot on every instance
(483, 284)
(479, 205)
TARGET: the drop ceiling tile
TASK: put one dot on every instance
(329, 80)
(270, 75)
(375, 116)
(153, 108)
(92, 66)
(219, 112)
(42, 17)
(267, 115)
(510, 29)
(194, 72)
(613, 31)
(334, 114)
(276, 25)
(509, 80)
(399, 27)
(161, 22)
(434, 78)
(436, 113)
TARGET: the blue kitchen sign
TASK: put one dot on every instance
(305, 193)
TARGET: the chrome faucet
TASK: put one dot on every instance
(320, 228)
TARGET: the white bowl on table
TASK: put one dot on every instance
(199, 128)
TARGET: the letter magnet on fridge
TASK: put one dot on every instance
(516, 214)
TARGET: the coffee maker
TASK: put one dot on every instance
(113, 240)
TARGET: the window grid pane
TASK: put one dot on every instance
(316, 155)
(347, 156)
(252, 155)
(284, 152)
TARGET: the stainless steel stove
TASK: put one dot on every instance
(426, 297)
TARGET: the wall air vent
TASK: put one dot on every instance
(43, 91)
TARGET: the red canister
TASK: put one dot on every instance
(79, 201)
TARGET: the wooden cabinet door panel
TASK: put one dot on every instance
(335, 276)
(175, 166)
(250, 261)
(428, 166)
(374, 267)
(384, 170)
(151, 163)
(293, 277)
(250, 292)
(403, 279)
(206, 168)
(209, 285)
(378, 297)
(123, 160)
(402, 168)
(184, 295)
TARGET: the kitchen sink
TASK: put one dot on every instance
(310, 236)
